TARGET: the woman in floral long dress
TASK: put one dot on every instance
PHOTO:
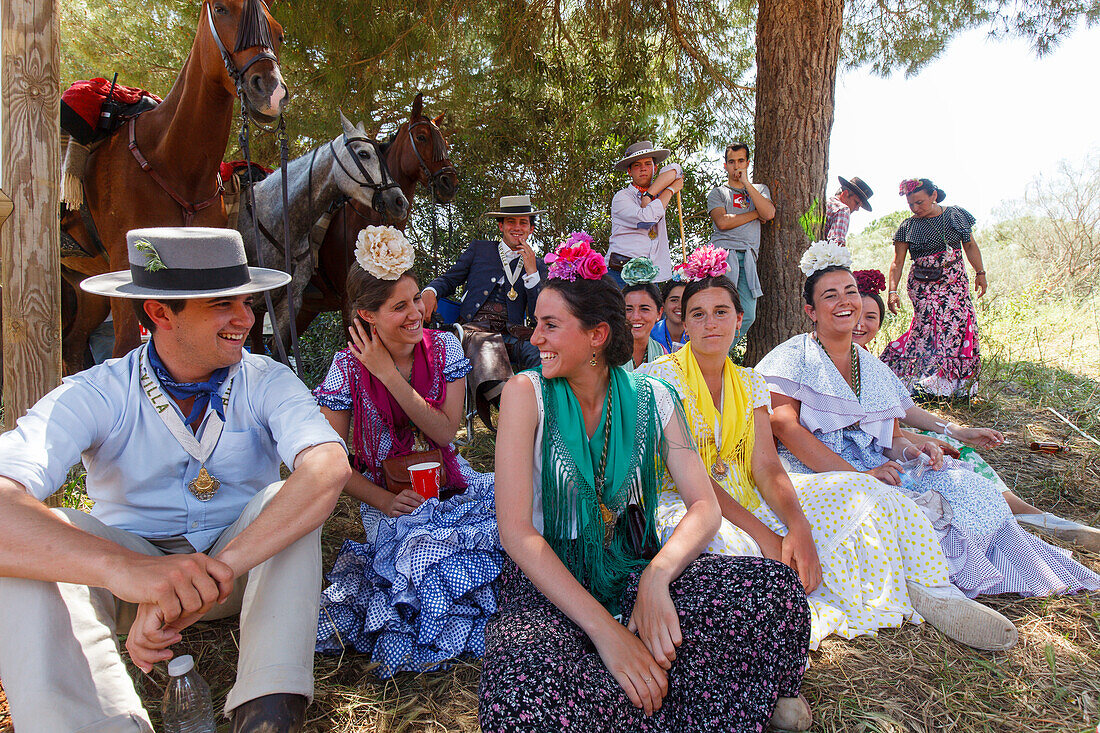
(417, 592)
(592, 636)
(867, 556)
(938, 356)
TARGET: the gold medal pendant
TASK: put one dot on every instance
(512, 294)
(719, 470)
(204, 486)
(653, 233)
(609, 518)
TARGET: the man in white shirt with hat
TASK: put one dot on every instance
(638, 211)
(182, 440)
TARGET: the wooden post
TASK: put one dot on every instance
(31, 175)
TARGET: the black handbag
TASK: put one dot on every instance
(643, 543)
(615, 261)
(931, 273)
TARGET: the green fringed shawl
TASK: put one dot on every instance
(570, 462)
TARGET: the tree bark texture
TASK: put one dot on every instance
(797, 51)
(31, 175)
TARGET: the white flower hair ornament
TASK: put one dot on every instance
(383, 252)
(824, 254)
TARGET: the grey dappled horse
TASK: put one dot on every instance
(348, 166)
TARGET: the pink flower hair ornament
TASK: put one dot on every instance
(908, 186)
(575, 258)
(706, 261)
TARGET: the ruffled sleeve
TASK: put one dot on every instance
(799, 368)
(962, 221)
(756, 387)
(455, 364)
(902, 234)
(335, 392)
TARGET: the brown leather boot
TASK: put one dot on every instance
(277, 713)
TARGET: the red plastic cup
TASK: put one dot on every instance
(425, 479)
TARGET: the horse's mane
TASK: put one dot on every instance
(254, 30)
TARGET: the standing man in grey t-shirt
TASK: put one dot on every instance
(737, 208)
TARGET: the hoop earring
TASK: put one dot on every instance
(592, 361)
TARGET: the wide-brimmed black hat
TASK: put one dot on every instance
(176, 263)
(641, 149)
(515, 206)
(859, 188)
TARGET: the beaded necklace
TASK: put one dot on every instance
(854, 366)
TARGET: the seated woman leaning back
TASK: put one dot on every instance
(867, 556)
(594, 632)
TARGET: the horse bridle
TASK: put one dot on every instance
(237, 75)
(379, 187)
(431, 177)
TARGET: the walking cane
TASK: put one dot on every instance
(683, 242)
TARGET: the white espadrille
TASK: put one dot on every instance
(1064, 529)
(962, 619)
(791, 714)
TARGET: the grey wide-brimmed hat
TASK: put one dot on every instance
(515, 206)
(641, 149)
(173, 263)
(859, 188)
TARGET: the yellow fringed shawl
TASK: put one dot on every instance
(735, 421)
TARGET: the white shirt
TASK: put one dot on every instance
(631, 223)
(137, 471)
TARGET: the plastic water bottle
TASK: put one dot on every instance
(187, 707)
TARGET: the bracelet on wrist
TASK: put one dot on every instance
(979, 272)
(892, 292)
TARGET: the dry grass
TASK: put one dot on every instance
(909, 679)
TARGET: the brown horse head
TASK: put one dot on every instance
(251, 68)
(419, 151)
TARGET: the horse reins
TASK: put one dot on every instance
(440, 147)
(189, 208)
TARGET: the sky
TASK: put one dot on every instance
(981, 121)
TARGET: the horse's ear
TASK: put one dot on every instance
(349, 129)
(418, 107)
(438, 121)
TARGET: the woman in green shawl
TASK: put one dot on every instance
(590, 633)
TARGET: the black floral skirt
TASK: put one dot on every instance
(746, 630)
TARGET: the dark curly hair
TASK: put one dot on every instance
(593, 302)
(697, 286)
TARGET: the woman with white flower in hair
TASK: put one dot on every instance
(867, 556)
(417, 591)
(836, 408)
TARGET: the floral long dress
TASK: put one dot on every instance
(745, 629)
(938, 355)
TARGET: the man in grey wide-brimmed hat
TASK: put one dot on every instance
(182, 439)
(638, 211)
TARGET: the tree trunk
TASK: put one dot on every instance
(797, 50)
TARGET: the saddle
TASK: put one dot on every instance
(91, 110)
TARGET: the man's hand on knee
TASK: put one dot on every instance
(179, 585)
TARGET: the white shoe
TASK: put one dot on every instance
(962, 619)
(791, 713)
(1064, 529)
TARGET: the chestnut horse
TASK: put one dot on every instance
(161, 169)
(416, 154)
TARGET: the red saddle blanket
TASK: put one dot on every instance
(83, 100)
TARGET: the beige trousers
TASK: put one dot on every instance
(60, 662)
